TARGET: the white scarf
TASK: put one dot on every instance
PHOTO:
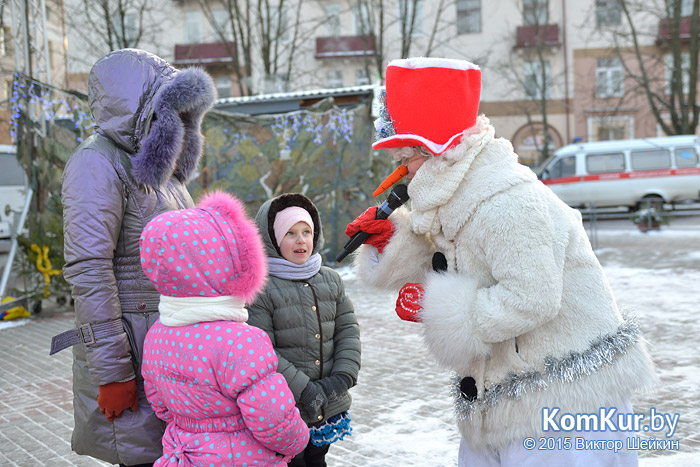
(181, 311)
(440, 176)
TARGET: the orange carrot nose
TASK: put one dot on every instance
(400, 172)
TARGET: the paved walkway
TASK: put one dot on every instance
(401, 412)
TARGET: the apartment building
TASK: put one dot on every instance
(554, 64)
(553, 71)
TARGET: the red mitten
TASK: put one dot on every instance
(380, 230)
(408, 305)
(115, 397)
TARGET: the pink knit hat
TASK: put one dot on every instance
(286, 218)
(211, 250)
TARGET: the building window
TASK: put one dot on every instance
(406, 13)
(193, 33)
(335, 79)
(223, 86)
(535, 12)
(685, 72)
(609, 77)
(535, 86)
(610, 133)
(221, 24)
(7, 90)
(276, 83)
(686, 8)
(610, 128)
(130, 27)
(468, 16)
(607, 12)
(361, 77)
(280, 29)
(361, 17)
(125, 27)
(5, 41)
(332, 19)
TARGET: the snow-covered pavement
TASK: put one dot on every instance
(402, 413)
(401, 410)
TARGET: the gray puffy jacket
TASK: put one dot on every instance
(146, 148)
(311, 323)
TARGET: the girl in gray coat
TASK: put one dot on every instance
(146, 147)
(310, 321)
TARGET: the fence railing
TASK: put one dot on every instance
(648, 215)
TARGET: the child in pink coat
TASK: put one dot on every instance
(209, 375)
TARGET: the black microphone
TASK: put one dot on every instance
(397, 197)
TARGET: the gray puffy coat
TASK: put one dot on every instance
(146, 147)
(311, 323)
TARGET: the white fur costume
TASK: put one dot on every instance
(524, 308)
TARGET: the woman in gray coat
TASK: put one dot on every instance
(146, 147)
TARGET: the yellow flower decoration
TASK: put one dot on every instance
(43, 265)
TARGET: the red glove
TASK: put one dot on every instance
(408, 305)
(114, 398)
(380, 230)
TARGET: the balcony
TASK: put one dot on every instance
(666, 26)
(344, 46)
(527, 36)
(205, 54)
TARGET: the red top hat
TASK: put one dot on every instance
(429, 102)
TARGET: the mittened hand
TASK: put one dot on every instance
(114, 398)
(335, 386)
(439, 262)
(380, 230)
(313, 398)
(409, 304)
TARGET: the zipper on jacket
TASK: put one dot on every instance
(126, 205)
(320, 330)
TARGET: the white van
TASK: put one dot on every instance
(630, 172)
(13, 189)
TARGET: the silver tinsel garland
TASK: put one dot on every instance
(566, 369)
(383, 126)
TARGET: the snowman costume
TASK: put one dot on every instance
(523, 316)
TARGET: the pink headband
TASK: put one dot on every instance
(286, 218)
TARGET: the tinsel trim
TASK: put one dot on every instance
(334, 429)
(604, 351)
(383, 126)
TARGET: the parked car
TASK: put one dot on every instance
(13, 189)
(635, 172)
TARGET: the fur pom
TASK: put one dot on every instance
(449, 330)
(226, 204)
(249, 244)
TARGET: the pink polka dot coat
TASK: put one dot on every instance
(216, 385)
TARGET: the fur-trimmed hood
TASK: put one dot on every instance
(211, 250)
(151, 110)
(265, 219)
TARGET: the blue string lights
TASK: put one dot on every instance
(53, 104)
(338, 124)
(50, 104)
